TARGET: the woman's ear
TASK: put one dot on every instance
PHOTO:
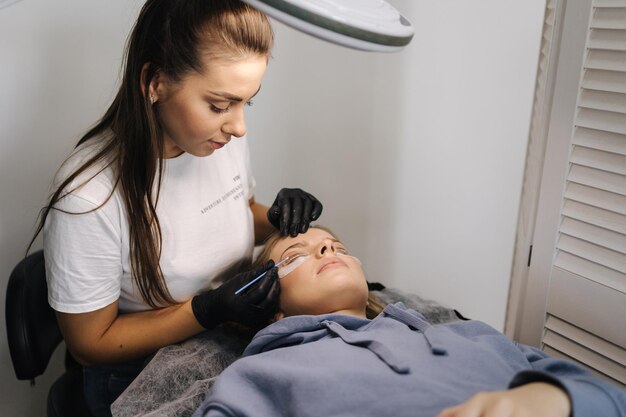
(279, 315)
(153, 87)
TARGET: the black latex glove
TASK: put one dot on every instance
(253, 307)
(293, 211)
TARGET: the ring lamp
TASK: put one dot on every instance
(368, 25)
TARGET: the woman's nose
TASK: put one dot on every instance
(326, 247)
(236, 124)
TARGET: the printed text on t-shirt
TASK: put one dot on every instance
(235, 193)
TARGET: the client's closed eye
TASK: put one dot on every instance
(292, 258)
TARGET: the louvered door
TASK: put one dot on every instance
(586, 304)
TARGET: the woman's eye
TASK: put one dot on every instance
(219, 110)
(342, 251)
(291, 259)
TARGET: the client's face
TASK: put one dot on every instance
(328, 281)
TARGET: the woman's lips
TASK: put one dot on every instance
(331, 263)
(217, 145)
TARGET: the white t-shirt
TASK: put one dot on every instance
(206, 225)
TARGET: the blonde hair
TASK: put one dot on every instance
(374, 305)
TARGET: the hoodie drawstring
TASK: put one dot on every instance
(376, 347)
(436, 347)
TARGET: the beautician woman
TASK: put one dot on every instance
(154, 213)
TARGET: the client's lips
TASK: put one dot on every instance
(217, 145)
(331, 263)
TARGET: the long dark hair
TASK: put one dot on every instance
(171, 37)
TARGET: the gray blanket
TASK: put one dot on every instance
(177, 379)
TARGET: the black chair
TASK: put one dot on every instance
(33, 335)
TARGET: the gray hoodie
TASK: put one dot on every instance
(395, 365)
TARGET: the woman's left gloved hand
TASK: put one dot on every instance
(252, 308)
(293, 211)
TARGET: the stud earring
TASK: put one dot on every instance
(152, 99)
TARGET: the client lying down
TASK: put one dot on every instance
(323, 357)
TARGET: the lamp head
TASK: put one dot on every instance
(368, 25)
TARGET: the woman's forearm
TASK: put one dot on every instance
(103, 336)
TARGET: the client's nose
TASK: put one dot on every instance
(326, 247)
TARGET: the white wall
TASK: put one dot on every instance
(417, 156)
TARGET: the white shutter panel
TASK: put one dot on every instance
(586, 309)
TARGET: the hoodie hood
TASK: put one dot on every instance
(298, 330)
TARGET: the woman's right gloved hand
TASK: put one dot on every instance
(252, 308)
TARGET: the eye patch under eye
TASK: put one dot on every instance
(287, 268)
